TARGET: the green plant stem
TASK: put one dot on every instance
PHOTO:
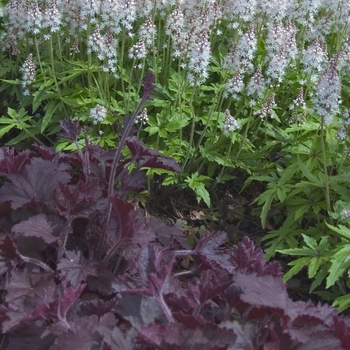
(218, 178)
(246, 129)
(121, 60)
(324, 161)
(38, 57)
(193, 124)
(33, 136)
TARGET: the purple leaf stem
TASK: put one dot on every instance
(149, 87)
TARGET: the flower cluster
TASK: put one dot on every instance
(199, 60)
(106, 48)
(257, 84)
(314, 59)
(327, 100)
(235, 85)
(142, 118)
(298, 102)
(266, 111)
(98, 113)
(28, 74)
(344, 127)
(241, 56)
(230, 124)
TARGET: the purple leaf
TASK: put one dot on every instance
(47, 153)
(342, 331)
(250, 259)
(68, 296)
(148, 157)
(30, 287)
(264, 291)
(11, 164)
(36, 182)
(178, 337)
(75, 272)
(31, 337)
(9, 255)
(81, 336)
(131, 223)
(209, 285)
(134, 181)
(36, 226)
(80, 200)
(168, 235)
(70, 129)
(148, 87)
(212, 254)
(139, 310)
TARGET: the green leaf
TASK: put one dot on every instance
(282, 193)
(298, 251)
(314, 266)
(197, 183)
(12, 82)
(50, 109)
(288, 174)
(266, 197)
(342, 303)
(297, 266)
(301, 211)
(307, 173)
(5, 129)
(342, 230)
(310, 242)
(320, 277)
(340, 264)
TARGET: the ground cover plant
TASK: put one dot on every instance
(255, 92)
(82, 268)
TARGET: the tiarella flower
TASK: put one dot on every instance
(277, 68)
(142, 118)
(275, 38)
(306, 11)
(267, 109)
(327, 100)
(345, 214)
(34, 18)
(199, 58)
(314, 57)
(298, 102)
(274, 10)
(52, 18)
(230, 124)
(28, 74)
(244, 52)
(148, 32)
(322, 28)
(138, 51)
(239, 10)
(98, 113)
(105, 47)
(257, 84)
(235, 85)
(344, 127)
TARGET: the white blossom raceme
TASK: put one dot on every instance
(230, 124)
(28, 74)
(327, 100)
(98, 113)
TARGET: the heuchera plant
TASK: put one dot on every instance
(81, 268)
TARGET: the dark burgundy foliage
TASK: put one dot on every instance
(58, 291)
